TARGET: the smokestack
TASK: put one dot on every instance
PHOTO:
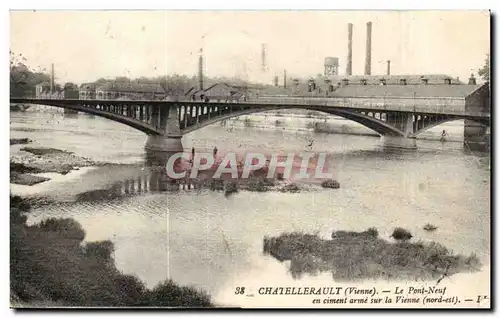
(52, 79)
(368, 60)
(388, 67)
(348, 70)
(200, 70)
(263, 57)
(276, 81)
(284, 79)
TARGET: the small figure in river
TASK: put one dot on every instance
(192, 155)
(443, 134)
(309, 146)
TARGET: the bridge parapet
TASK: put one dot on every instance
(434, 105)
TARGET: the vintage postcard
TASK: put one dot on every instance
(250, 159)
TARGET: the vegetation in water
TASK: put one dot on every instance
(332, 184)
(350, 256)
(429, 227)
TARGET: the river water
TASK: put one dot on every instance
(207, 240)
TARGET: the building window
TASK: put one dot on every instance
(447, 81)
(402, 81)
(363, 81)
(382, 82)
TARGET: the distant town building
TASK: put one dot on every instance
(42, 89)
(87, 91)
(69, 91)
(220, 92)
(130, 91)
(112, 90)
(327, 85)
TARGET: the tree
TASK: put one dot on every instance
(70, 86)
(23, 79)
(101, 81)
(122, 79)
(484, 72)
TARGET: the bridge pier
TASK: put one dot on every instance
(476, 137)
(476, 134)
(402, 121)
(170, 141)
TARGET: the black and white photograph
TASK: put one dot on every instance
(319, 159)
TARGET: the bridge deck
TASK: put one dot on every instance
(429, 105)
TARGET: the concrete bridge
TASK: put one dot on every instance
(394, 111)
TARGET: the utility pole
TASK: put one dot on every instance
(52, 79)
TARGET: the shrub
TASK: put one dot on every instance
(230, 187)
(372, 232)
(259, 185)
(132, 289)
(67, 228)
(401, 234)
(216, 184)
(332, 184)
(168, 294)
(292, 187)
(100, 249)
(429, 227)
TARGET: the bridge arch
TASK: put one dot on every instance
(435, 124)
(114, 116)
(443, 121)
(373, 123)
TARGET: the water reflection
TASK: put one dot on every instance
(151, 181)
(68, 115)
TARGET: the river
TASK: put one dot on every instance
(207, 240)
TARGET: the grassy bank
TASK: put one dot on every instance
(352, 256)
(50, 265)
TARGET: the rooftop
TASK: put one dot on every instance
(404, 90)
(132, 87)
(432, 79)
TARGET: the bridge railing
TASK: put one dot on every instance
(431, 105)
(442, 105)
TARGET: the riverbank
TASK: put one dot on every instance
(50, 267)
(34, 160)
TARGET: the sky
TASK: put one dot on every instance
(86, 45)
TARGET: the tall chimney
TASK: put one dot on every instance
(200, 70)
(388, 67)
(284, 79)
(52, 79)
(348, 70)
(368, 59)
